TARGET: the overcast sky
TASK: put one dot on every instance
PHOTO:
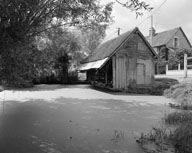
(172, 14)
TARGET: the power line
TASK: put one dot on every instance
(110, 36)
(159, 7)
(153, 12)
(143, 20)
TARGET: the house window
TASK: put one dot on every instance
(176, 42)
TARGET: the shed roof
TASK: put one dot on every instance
(92, 65)
(108, 48)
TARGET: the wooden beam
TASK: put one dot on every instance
(185, 65)
(189, 65)
(106, 71)
(114, 71)
(189, 58)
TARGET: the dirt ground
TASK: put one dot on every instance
(75, 119)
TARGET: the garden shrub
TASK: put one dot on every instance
(182, 138)
(181, 93)
(178, 123)
(178, 118)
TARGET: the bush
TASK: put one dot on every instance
(178, 131)
(17, 66)
(182, 138)
(181, 93)
(161, 84)
(178, 118)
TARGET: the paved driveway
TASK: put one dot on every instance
(75, 119)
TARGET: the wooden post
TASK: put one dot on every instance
(179, 66)
(185, 65)
(114, 71)
(167, 68)
(157, 66)
(106, 72)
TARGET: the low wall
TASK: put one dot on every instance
(178, 72)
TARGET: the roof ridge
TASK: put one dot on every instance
(168, 30)
(111, 44)
(119, 35)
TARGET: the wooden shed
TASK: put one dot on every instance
(123, 62)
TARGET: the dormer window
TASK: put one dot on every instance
(176, 42)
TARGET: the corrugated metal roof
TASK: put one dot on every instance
(93, 65)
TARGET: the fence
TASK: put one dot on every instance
(184, 72)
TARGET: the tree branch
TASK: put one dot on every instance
(52, 27)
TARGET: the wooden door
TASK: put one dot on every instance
(140, 73)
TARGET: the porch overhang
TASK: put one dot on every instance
(93, 65)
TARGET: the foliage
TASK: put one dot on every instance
(59, 48)
(177, 57)
(21, 21)
(135, 5)
(118, 136)
(178, 118)
(91, 38)
(18, 71)
(158, 87)
(21, 18)
(182, 138)
(161, 84)
(178, 123)
(182, 119)
(174, 57)
(181, 93)
(157, 140)
(61, 64)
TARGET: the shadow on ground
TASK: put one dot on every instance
(74, 125)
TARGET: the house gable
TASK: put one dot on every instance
(182, 41)
(136, 47)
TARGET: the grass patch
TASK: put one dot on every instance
(182, 138)
(157, 140)
(178, 118)
(176, 132)
(161, 84)
(158, 88)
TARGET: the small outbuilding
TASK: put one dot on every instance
(126, 61)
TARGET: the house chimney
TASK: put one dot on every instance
(118, 32)
(151, 31)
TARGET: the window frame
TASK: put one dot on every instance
(176, 42)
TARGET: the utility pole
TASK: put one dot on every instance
(151, 31)
(185, 65)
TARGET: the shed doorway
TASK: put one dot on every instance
(140, 73)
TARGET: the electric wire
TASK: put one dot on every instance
(110, 36)
(141, 21)
(152, 12)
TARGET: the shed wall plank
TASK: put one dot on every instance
(114, 71)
